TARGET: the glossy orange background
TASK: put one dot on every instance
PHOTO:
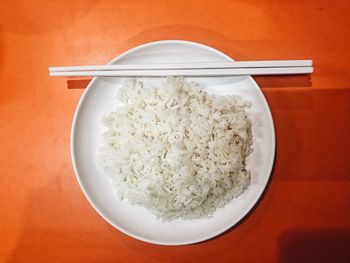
(305, 212)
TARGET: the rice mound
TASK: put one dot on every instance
(175, 149)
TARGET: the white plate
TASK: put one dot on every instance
(98, 99)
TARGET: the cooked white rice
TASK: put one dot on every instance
(175, 149)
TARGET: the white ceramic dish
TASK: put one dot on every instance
(98, 99)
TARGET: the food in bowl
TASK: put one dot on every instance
(175, 149)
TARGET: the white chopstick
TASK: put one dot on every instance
(191, 65)
(187, 72)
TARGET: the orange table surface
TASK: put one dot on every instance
(304, 215)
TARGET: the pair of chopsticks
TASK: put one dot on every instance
(229, 68)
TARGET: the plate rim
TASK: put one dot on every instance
(120, 228)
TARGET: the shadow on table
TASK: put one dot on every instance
(310, 126)
(315, 245)
(78, 83)
(282, 81)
